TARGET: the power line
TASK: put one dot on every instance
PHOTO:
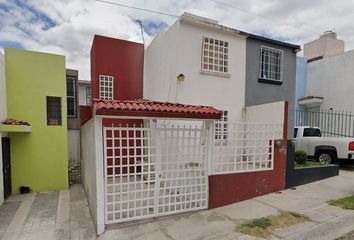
(138, 8)
(265, 17)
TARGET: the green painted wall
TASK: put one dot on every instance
(38, 159)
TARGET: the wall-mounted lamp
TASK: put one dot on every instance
(180, 77)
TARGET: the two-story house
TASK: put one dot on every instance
(163, 154)
(221, 67)
(33, 122)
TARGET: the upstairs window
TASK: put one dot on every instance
(54, 111)
(271, 65)
(221, 127)
(215, 55)
(71, 96)
(88, 95)
(106, 87)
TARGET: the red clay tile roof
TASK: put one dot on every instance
(147, 108)
(10, 121)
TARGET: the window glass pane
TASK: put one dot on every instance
(54, 111)
(71, 96)
(106, 90)
(271, 63)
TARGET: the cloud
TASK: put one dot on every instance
(68, 26)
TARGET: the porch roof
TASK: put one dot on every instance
(13, 125)
(310, 101)
(147, 108)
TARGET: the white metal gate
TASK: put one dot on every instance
(154, 171)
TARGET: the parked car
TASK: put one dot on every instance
(324, 149)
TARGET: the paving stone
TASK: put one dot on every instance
(7, 212)
(195, 228)
(248, 209)
(329, 230)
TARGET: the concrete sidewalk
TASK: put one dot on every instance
(65, 215)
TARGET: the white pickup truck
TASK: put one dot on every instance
(324, 149)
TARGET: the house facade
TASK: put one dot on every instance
(331, 80)
(85, 93)
(270, 74)
(217, 81)
(190, 143)
(35, 123)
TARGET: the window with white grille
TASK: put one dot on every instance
(271, 65)
(215, 55)
(221, 127)
(106, 87)
(71, 96)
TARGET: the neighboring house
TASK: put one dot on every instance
(36, 125)
(301, 79)
(74, 124)
(325, 46)
(325, 99)
(331, 80)
(85, 93)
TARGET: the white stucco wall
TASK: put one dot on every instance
(92, 170)
(74, 144)
(272, 113)
(3, 115)
(324, 46)
(179, 51)
(266, 113)
(332, 79)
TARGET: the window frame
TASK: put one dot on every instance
(74, 79)
(60, 118)
(101, 78)
(209, 53)
(88, 95)
(222, 133)
(281, 65)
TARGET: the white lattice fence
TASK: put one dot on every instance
(153, 171)
(245, 147)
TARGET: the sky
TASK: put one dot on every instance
(67, 27)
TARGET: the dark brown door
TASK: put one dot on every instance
(5, 142)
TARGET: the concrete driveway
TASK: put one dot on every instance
(65, 215)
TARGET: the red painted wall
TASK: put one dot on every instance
(124, 60)
(85, 114)
(230, 188)
(122, 152)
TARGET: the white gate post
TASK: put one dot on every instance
(155, 134)
(100, 227)
(210, 145)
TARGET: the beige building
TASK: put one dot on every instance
(326, 45)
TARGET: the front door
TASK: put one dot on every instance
(5, 143)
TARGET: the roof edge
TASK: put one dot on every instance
(296, 48)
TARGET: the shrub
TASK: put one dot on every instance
(300, 157)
